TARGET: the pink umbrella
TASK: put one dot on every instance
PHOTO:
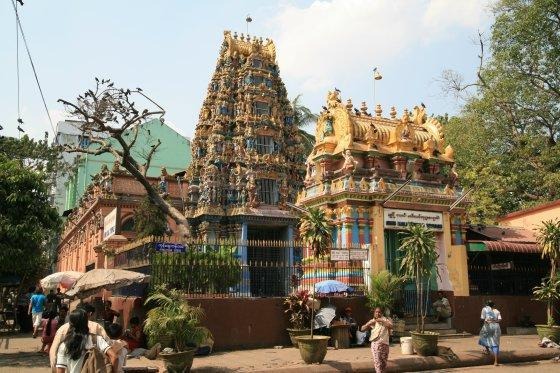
(65, 279)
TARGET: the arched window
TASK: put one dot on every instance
(128, 225)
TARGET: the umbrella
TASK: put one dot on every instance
(93, 281)
(66, 279)
(332, 286)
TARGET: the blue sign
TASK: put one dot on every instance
(168, 247)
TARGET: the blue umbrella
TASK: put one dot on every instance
(332, 286)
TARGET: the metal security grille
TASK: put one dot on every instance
(265, 144)
(268, 191)
(261, 108)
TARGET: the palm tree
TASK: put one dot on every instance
(548, 238)
(419, 260)
(315, 232)
(302, 117)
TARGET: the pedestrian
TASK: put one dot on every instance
(36, 308)
(50, 325)
(349, 319)
(62, 317)
(58, 299)
(94, 328)
(70, 353)
(380, 329)
(490, 332)
(51, 301)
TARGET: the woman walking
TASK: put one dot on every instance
(380, 329)
(50, 324)
(71, 352)
(490, 332)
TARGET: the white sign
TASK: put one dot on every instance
(501, 266)
(338, 255)
(358, 254)
(399, 219)
(110, 224)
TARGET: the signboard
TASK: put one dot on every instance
(168, 247)
(357, 254)
(501, 266)
(338, 255)
(399, 219)
(110, 224)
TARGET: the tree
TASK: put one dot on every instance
(514, 109)
(27, 220)
(302, 117)
(149, 220)
(109, 118)
(418, 262)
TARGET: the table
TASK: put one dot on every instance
(340, 335)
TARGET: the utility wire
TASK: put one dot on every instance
(33, 67)
(17, 67)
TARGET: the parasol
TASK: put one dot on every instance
(332, 286)
(66, 279)
(109, 279)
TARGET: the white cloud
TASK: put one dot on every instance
(330, 41)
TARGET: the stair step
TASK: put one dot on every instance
(428, 326)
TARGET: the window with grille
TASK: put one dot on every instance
(268, 191)
(265, 145)
(257, 64)
(261, 108)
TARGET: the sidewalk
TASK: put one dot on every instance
(18, 354)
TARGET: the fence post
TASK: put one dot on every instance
(243, 252)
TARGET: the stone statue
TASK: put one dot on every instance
(448, 190)
(363, 185)
(419, 115)
(372, 135)
(374, 186)
(252, 191)
(453, 175)
(382, 185)
(328, 130)
(350, 163)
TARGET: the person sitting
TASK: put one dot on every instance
(441, 308)
(115, 331)
(134, 336)
(70, 353)
(348, 319)
(108, 315)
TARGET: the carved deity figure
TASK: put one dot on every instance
(363, 185)
(252, 191)
(382, 185)
(328, 130)
(448, 190)
(374, 186)
(350, 163)
(430, 146)
(333, 99)
(372, 135)
(453, 175)
(404, 128)
(419, 115)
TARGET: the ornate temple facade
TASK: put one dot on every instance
(374, 175)
(247, 156)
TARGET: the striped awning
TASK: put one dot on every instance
(512, 247)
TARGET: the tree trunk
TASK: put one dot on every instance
(418, 295)
(166, 207)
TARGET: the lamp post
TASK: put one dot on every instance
(376, 76)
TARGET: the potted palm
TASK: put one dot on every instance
(385, 288)
(548, 238)
(299, 312)
(419, 259)
(315, 232)
(172, 318)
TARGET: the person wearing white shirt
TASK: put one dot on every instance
(490, 332)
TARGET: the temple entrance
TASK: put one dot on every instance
(265, 261)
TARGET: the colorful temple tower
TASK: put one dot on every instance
(248, 160)
(374, 175)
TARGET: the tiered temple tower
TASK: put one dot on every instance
(248, 159)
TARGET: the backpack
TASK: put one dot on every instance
(94, 359)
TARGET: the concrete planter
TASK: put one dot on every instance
(178, 362)
(313, 351)
(425, 344)
(296, 333)
(551, 332)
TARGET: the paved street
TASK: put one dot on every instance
(531, 367)
(18, 354)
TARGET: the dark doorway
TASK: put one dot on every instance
(265, 261)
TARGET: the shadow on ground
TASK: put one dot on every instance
(23, 359)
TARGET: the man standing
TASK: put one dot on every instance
(36, 308)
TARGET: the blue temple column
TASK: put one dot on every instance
(243, 253)
(290, 248)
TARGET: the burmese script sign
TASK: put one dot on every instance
(398, 219)
(351, 254)
(110, 224)
(340, 255)
(168, 247)
(501, 266)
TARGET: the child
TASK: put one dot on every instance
(50, 325)
(135, 338)
(114, 331)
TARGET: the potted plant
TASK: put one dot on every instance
(548, 238)
(172, 318)
(418, 262)
(316, 233)
(299, 313)
(385, 288)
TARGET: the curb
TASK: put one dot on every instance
(418, 363)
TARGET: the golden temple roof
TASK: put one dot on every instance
(341, 127)
(245, 46)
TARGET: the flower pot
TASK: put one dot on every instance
(178, 362)
(425, 344)
(551, 332)
(398, 327)
(313, 350)
(297, 332)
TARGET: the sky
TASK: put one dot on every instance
(169, 48)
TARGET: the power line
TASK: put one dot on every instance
(17, 67)
(33, 67)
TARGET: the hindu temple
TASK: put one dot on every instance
(247, 156)
(374, 174)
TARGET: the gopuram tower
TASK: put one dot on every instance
(248, 159)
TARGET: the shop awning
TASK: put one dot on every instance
(505, 246)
